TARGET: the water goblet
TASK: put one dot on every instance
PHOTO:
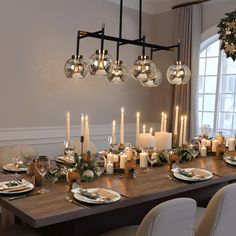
(152, 158)
(100, 161)
(42, 165)
(69, 149)
(193, 149)
(17, 160)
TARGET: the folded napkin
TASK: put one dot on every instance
(14, 185)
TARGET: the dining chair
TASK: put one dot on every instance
(173, 217)
(219, 217)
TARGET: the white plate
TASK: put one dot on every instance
(28, 187)
(115, 196)
(65, 159)
(207, 175)
(229, 161)
(12, 168)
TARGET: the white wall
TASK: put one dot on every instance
(37, 37)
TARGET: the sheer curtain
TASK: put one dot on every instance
(189, 32)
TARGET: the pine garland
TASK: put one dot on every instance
(227, 34)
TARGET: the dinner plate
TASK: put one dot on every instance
(64, 159)
(107, 196)
(199, 174)
(20, 188)
(230, 160)
(12, 168)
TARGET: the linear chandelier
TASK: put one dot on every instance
(143, 70)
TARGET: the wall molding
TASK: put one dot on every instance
(50, 139)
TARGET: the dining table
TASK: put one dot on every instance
(59, 213)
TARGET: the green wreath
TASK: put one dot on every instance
(227, 34)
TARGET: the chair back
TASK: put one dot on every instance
(173, 217)
(220, 215)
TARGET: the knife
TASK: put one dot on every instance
(23, 196)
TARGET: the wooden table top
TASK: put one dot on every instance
(52, 207)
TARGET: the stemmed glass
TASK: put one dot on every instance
(193, 149)
(100, 161)
(17, 159)
(69, 150)
(152, 158)
(42, 165)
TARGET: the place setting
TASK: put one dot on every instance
(230, 158)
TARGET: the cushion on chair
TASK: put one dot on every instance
(171, 217)
(198, 218)
(220, 215)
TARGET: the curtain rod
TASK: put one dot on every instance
(189, 3)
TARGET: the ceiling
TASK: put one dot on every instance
(156, 6)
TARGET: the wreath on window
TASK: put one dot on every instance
(227, 34)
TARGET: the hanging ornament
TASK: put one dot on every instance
(227, 34)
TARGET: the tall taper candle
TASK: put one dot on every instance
(122, 120)
(86, 135)
(176, 120)
(162, 121)
(137, 128)
(165, 123)
(82, 125)
(114, 132)
(144, 129)
(68, 127)
(151, 129)
(181, 131)
(185, 130)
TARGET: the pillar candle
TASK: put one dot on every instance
(151, 129)
(185, 130)
(109, 168)
(123, 159)
(143, 162)
(137, 128)
(162, 121)
(163, 140)
(165, 123)
(214, 145)
(204, 142)
(231, 144)
(110, 157)
(181, 131)
(122, 139)
(203, 151)
(176, 120)
(68, 127)
(115, 158)
(82, 125)
(114, 132)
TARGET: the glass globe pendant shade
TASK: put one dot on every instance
(153, 81)
(76, 67)
(100, 63)
(118, 73)
(178, 73)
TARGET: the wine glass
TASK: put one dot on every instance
(193, 149)
(69, 150)
(42, 165)
(100, 161)
(152, 158)
(16, 156)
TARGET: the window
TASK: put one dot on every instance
(217, 90)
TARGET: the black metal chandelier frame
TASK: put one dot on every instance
(141, 41)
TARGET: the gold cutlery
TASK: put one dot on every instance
(23, 196)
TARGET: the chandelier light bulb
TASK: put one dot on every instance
(118, 73)
(100, 63)
(143, 69)
(178, 73)
(76, 67)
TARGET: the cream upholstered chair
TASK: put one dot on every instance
(173, 217)
(218, 219)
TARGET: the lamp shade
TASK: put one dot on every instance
(100, 63)
(153, 81)
(76, 67)
(118, 72)
(178, 73)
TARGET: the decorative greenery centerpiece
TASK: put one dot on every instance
(227, 34)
